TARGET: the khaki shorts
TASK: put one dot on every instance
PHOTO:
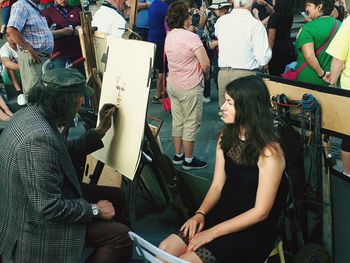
(186, 110)
(30, 73)
(226, 76)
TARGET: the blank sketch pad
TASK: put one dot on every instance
(127, 75)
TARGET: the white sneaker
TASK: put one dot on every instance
(206, 100)
(21, 99)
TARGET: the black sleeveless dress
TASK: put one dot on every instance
(253, 244)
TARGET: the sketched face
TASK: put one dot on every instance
(120, 87)
(228, 110)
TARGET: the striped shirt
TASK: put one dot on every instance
(27, 19)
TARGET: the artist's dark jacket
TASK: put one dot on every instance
(42, 212)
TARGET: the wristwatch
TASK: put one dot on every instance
(95, 211)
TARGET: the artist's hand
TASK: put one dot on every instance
(193, 225)
(200, 239)
(35, 56)
(105, 114)
(106, 209)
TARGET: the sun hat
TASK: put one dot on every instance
(66, 80)
(217, 4)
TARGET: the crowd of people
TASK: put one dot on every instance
(50, 215)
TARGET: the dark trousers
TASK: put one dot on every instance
(111, 242)
(109, 238)
(213, 74)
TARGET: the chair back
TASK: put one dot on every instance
(151, 253)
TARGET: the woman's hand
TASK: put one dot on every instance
(200, 239)
(193, 225)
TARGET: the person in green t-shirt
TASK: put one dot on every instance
(311, 37)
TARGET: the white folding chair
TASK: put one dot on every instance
(151, 253)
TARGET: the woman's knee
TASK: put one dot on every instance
(173, 245)
(164, 245)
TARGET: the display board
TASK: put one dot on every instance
(126, 83)
(335, 103)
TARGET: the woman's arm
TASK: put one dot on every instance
(265, 21)
(196, 223)
(271, 33)
(271, 165)
(204, 61)
(202, 19)
(219, 179)
(311, 59)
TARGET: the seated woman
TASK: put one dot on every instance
(311, 37)
(237, 221)
(9, 59)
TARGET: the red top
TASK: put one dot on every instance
(68, 46)
(7, 3)
(44, 2)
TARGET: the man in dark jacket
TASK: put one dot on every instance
(44, 217)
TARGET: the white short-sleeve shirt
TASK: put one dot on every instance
(109, 21)
(243, 42)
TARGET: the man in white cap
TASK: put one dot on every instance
(243, 45)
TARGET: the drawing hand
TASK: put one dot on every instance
(105, 114)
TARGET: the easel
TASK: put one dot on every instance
(170, 184)
(93, 78)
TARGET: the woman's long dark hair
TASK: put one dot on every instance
(59, 106)
(253, 114)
